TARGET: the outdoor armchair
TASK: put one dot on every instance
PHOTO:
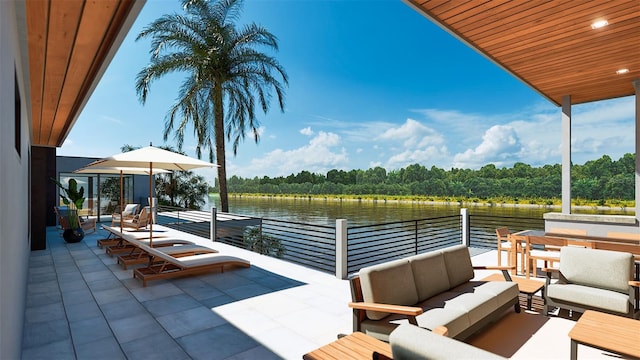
(128, 213)
(592, 279)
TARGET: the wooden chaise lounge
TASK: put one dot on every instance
(165, 266)
(139, 256)
(120, 244)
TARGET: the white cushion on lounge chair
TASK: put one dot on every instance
(178, 249)
(202, 259)
(130, 209)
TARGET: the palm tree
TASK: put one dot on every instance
(226, 76)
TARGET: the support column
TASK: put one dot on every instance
(566, 154)
(636, 85)
(466, 229)
(341, 248)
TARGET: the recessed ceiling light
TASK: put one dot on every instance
(622, 71)
(600, 23)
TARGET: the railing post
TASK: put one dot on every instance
(466, 232)
(212, 224)
(416, 237)
(341, 248)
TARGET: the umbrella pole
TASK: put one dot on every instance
(151, 204)
(121, 199)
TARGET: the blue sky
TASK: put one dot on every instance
(371, 84)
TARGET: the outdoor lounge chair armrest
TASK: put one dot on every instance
(389, 308)
(634, 283)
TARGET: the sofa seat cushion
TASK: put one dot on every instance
(430, 274)
(456, 320)
(388, 283)
(438, 301)
(503, 291)
(589, 296)
(477, 305)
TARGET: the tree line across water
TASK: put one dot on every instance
(598, 182)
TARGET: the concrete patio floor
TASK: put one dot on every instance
(82, 305)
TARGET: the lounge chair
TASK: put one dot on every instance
(128, 213)
(124, 240)
(138, 221)
(165, 266)
(139, 256)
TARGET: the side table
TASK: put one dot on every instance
(525, 286)
(614, 333)
(354, 346)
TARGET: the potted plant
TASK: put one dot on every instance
(74, 199)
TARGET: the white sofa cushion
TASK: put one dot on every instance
(409, 342)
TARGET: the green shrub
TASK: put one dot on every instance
(256, 241)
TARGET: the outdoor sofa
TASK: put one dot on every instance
(429, 290)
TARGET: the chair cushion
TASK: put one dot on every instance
(130, 209)
(430, 274)
(458, 263)
(410, 342)
(589, 296)
(598, 268)
(388, 283)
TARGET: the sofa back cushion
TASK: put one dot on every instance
(458, 263)
(603, 269)
(430, 274)
(388, 283)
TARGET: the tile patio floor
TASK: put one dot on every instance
(82, 305)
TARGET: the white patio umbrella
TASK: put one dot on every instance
(121, 171)
(152, 158)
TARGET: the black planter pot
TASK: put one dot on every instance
(73, 235)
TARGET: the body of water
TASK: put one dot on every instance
(317, 211)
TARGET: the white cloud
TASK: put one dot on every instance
(413, 142)
(112, 119)
(321, 154)
(500, 145)
(306, 131)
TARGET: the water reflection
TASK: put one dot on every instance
(371, 212)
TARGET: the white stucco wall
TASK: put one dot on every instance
(14, 182)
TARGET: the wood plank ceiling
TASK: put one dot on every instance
(68, 43)
(550, 45)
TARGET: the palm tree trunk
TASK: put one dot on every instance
(218, 116)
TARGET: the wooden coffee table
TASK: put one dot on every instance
(606, 332)
(525, 286)
(354, 346)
